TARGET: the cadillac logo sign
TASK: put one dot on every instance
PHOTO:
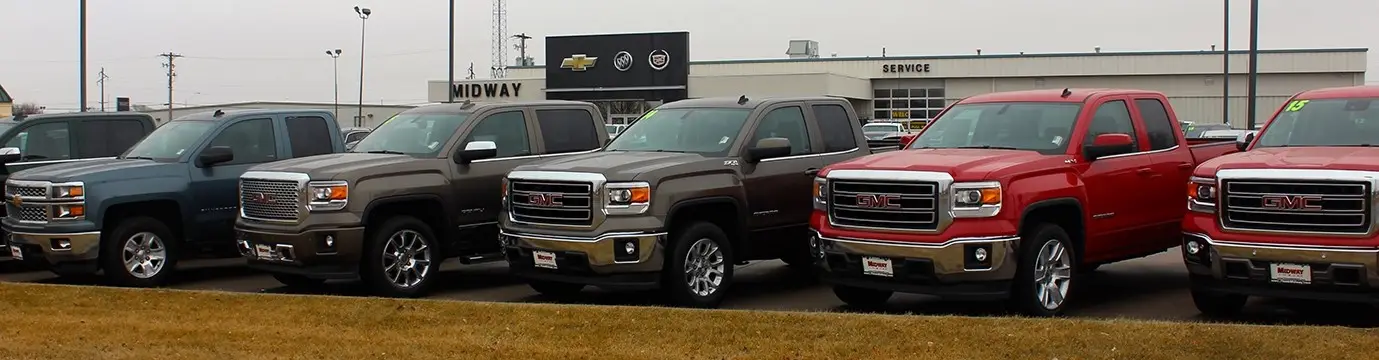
(622, 61)
(659, 59)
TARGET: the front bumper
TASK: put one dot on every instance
(303, 249)
(603, 261)
(1349, 274)
(948, 269)
(55, 248)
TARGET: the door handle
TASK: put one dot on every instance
(811, 172)
(1146, 172)
(1185, 166)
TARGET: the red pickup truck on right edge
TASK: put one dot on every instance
(1008, 196)
(1293, 215)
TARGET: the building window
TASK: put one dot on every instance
(907, 103)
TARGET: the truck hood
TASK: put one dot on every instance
(348, 166)
(623, 165)
(1312, 157)
(962, 164)
(95, 171)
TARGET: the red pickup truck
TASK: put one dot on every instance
(1293, 216)
(1008, 196)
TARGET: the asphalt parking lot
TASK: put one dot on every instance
(1151, 288)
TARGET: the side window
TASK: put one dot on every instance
(786, 122)
(508, 130)
(123, 134)
(252, 141)
(1112, 117)
(42, 142)
(356, 136)
(567, 130)
(837, 130)
(309, 135)
(107, 138)
(1156, 124)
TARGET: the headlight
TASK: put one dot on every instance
(68, 191)
(69, 212)
(820, 193)
(503, 189)
(1201, 195)
(327, 195)
(626, 198)
(976, 199)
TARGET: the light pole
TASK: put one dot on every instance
(335, 65)
(363, 20)
(451, 46)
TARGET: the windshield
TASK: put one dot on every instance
(412, 133)
(1196, 131)
(1324, 122)
(1042, 127)
(705, 131)
(170, 141)
(881, 128)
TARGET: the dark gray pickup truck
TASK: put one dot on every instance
(686, 192)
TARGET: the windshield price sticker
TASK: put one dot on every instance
(1295, 105)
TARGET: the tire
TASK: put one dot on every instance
(555, 289)
(861, 297)
(1028, 295)
(401, 258)
(688, 283)
(135, 238)
(298, 281)
(1215, 305)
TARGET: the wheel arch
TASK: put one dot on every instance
(732, 222)
(1065, 212)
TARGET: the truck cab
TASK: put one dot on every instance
(1007, 196)
(681, 196)
(1293, 215)
(171, 195)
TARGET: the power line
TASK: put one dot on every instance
(217, 58)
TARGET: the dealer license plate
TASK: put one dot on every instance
(877, 266)
(263, 251)
(1290, 273)
(544, 259)
(16, 252)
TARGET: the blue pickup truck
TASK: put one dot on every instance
(173, 194)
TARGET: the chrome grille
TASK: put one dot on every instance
(1337, 207)
(26, 191)
(28, 213)
(269, 199)
(551, 202)
(883, 205)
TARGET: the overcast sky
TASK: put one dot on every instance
(243, 50)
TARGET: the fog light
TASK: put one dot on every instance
(330, 241)
(630, 248)
(631, 251)
(816, 247)
(1193, 247)
(979, 254)
(62, 244)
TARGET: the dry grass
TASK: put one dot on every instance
(64, 322)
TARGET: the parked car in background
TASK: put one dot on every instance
(1008, 196)
(1293, 216)
(51, 139)
(423, 188)
(1195, 131)
(1225, 134)
(171, 195)
(887, 135)
(613, 129)
(352, 135)
(684, 194)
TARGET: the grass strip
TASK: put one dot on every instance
(71, 322)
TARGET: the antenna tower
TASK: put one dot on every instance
(500, 39)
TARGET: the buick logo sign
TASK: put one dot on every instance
(622, 61)
(659, 59)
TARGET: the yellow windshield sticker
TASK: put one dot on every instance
(1295, 105)
(648, 114)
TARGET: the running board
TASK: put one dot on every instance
(481, 258)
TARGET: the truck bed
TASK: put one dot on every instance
(1206, 149)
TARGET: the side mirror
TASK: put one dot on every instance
(215, 155)
(768, 148)
(9, 155)
(476, 150)
(1242, 142)
(1108, 144)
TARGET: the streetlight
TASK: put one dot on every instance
(363, 19)
(335, 59)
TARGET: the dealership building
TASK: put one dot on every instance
(629, 73)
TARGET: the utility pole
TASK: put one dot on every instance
(451, 45)
(100, 81)
(83, 55)
(522, 47)
(172, 73)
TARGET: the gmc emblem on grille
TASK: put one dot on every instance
(545, 200)
(1291, 202)
(877, 201)
(261, 198)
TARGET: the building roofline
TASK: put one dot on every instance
(244, 103)
(5, 96)
(1005, 56)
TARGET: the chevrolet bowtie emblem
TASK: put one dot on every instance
(17, 200)
(578, 62)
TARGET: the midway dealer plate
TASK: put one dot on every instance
(263, 251)
(1290, 273)
(16, 253)
(877, 266)
(543, 259)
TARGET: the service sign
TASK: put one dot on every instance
(905, 68)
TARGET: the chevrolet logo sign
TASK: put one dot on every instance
(579, 62)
